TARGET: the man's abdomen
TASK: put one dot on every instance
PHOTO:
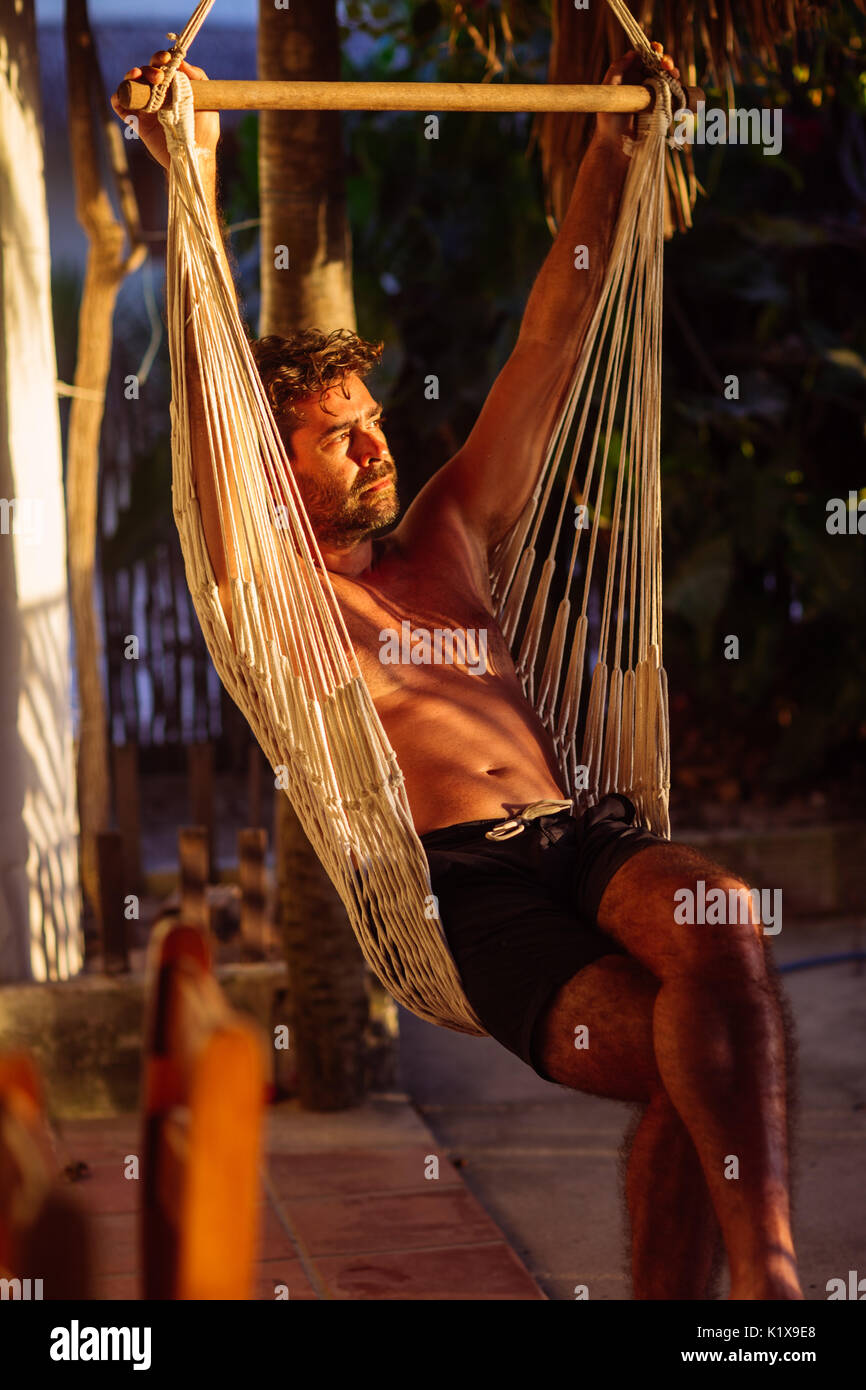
(469, 753)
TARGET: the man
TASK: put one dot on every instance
(569, 922)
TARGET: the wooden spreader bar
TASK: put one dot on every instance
(400, 96)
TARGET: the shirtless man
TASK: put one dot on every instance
(571, 921)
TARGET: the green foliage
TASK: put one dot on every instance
(448, 234)
(770, 286)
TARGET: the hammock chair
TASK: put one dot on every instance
(289, 664)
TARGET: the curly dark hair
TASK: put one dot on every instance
(308, 363)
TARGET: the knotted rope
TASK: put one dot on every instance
(179, 51)
(642, 44)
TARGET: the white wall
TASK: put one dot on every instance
(39, 923)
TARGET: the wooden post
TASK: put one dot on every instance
(201, 809)
(112, 893)
(204, 1085)
(127, 811)
(252, 848)
(192, 848)
(253, 95)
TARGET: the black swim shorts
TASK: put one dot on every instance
(520, 914)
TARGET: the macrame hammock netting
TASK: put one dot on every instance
(289, 663)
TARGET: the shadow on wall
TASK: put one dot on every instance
(39, 932)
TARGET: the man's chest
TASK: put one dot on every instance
(420, 616)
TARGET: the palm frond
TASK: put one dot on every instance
(708, 42)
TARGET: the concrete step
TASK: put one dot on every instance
(820, 869)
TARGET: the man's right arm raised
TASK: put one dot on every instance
(212, 494)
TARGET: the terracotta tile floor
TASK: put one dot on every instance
(350, 1216)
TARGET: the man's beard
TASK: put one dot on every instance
(340, 518)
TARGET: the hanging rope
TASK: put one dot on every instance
(642, 45)
(179, 51)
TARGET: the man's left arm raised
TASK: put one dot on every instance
(490, 479)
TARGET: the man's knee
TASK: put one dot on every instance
(596, 1035)
(682, 913)
(721, 926)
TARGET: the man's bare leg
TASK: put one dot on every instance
(675, 1235)
(720, 1048)
(674, 1231)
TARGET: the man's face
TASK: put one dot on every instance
(342, 465)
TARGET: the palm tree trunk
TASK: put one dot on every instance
(302, 194)
(302, 180)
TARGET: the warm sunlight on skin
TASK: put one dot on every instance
(342, 465)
